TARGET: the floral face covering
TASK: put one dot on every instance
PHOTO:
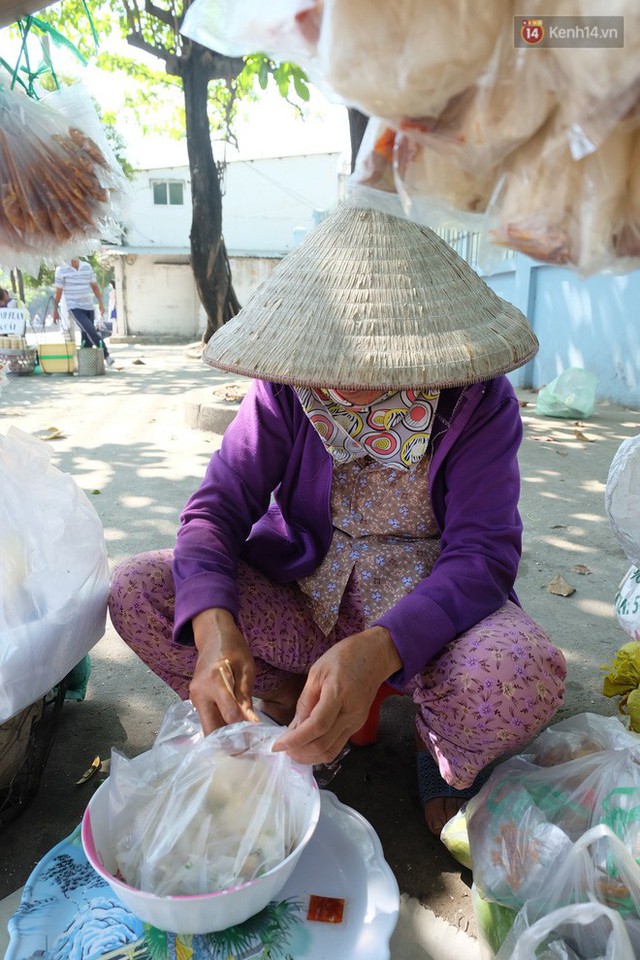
(395, 429)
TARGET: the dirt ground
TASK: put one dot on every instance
(125, 435)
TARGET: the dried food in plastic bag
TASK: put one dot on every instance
(597, 84)
(421, 171)
(527, 815)
(622, 497)
(627, 238)
(577, 737)
(597, 878)
(199, 814)
(408, 58)
(59, 181)
(51, 612)
(430, 189)
(489, 120)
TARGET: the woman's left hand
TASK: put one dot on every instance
(338, 694)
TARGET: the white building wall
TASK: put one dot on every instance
(158, 297)
(150, 224)
(268, 201)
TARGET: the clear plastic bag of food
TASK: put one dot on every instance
(199, 814)
(59, 180)
(597, 878)
(482, 125)
(526, 818)
(598, 81)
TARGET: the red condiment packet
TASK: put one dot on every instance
(325, 909)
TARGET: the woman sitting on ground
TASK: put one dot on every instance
(360, 522)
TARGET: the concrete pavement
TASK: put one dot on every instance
(131, 435)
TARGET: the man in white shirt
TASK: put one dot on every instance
(77, 281)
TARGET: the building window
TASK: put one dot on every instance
(168, 192)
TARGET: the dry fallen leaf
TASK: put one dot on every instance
(51, 433)
(560, 587)
(579, 435)
(90, 771)
(581, 568)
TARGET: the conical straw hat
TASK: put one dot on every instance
(372, 301)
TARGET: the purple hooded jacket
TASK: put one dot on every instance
(265, 498)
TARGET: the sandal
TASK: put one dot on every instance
(431, 786)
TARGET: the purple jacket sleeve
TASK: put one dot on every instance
(475, 498)
(218, 517)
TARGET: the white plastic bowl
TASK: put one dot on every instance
(204, 913)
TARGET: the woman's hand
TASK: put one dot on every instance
(338, 694)
(223, 678)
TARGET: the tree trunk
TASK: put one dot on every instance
(209, 260)
(357, 126)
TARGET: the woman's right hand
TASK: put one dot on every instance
(223, 654)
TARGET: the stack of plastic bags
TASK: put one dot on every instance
(554, 840)
(541, 144)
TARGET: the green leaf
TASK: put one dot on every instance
(263, 74)
(301, 88)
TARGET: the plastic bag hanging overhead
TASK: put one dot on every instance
(540, 139)
(60, 184)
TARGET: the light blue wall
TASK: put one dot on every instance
(592, 323)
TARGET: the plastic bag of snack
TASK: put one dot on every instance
(406, 59)
(627, 238)
(503, 108)
(524, 820)
(58, 184)
(199, 814)
(598, 84)
(597, 878)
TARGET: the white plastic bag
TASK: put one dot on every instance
(622, 497)
(54, 576)
(551, 938)
(626, 604)
(199, 814)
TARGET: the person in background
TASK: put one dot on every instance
(7, 300)
(77, 281)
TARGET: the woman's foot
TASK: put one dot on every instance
(439, 801)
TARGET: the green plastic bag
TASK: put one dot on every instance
(571, 394)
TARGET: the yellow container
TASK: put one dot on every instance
(57, 357)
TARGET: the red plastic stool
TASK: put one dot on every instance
(368, 732)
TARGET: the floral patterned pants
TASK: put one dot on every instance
(488, 693)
